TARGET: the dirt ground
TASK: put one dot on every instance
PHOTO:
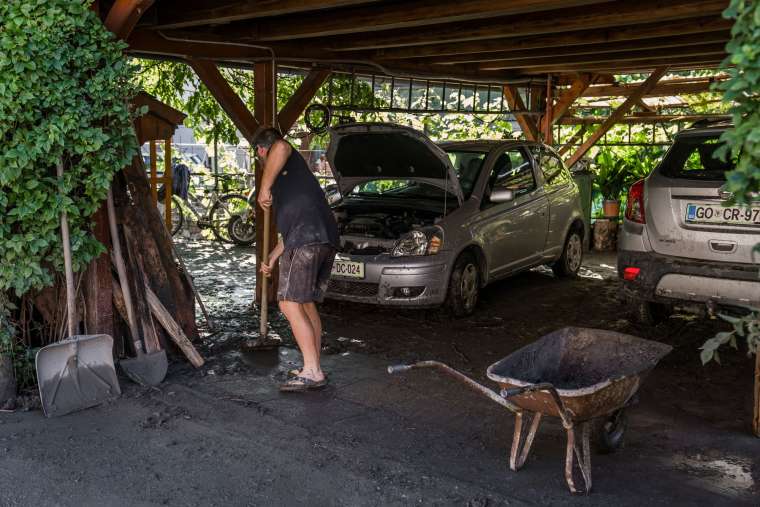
(224, 435)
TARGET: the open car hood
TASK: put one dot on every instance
(362, 152)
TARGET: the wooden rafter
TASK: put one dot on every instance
(574, 139)
(621, 111)
(515, 103)
(230, 102)
(601, 37)
(398, 15)
(124, 15)
(566, 99)
(663, 88)
(300, 99)
(578, 18)
(646, 118)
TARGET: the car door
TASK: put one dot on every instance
(513, 233)
(560, 192)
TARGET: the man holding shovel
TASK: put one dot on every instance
(307, 245)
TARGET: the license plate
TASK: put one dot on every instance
(348, 269)
(717, 214)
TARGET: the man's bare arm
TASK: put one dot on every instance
(278, 155)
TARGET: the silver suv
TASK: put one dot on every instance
(679, 243)
(422, 225)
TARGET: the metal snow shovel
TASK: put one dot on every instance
(77, 372)
(147, 369)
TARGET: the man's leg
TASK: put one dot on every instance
(316, 324)
(303, 331)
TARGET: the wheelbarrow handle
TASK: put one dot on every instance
(399, 368)
(566, 417)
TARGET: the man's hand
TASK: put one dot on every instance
(266, 269)
(265, 198)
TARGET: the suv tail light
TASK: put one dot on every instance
(634, 208)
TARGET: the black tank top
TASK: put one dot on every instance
(301, 212)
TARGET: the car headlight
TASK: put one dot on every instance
(419, 242)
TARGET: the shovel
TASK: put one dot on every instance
(146, 369)
(77, 372)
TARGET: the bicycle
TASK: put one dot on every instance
(230, 216)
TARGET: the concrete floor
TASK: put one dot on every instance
(224, 435)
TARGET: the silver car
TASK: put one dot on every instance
(422, 225)
(679, 243)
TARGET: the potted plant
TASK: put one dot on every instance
(611, 180)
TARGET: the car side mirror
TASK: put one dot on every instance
(502, 195)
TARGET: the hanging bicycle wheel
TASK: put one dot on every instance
(178, 216)
(235, 207)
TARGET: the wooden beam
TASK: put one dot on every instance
(639, 119)
(619, 58)
(574, 139)
(629, 67)
(663, 89)
(124, 15)
(265, 109)
(504, 41)
(399, 15)
(300, 99)
(566, 100)
(230, 102)
(621, 111)
(580, 18)
(177, 13)
(679, 41)
(515, 103)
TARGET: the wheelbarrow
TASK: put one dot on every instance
(585, 377)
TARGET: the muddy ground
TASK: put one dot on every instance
(224, 435)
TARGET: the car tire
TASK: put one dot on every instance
(569, 263)
(464, 286)
(648, 313)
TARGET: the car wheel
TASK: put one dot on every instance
(649, 313)
(464, 286)
(572, 257)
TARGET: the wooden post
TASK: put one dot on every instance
(756, 419)
(547, 121)
(264, 113)
(153, 173)
(626, 106)
(168, 183)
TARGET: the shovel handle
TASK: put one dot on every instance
(71, 311)
(265, 283)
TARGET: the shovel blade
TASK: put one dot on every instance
(146, 369)
(76, 373)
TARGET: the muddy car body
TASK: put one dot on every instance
(422, 225)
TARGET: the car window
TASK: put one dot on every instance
(512, 171)
(467, 165)
(553, 169)
(694, 158)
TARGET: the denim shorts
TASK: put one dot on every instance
(305, 272)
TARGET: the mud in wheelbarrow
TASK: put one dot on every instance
(586, 377)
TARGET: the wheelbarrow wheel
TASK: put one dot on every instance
(609, 432)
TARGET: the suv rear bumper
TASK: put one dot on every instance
(669, 279)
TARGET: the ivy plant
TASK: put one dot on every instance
(64, 96)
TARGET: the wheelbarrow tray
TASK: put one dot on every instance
(595, 372)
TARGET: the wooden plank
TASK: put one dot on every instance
(153, 172)
(515, 103)
(680, 41)
(602, 37)
(177, 13)
(566, 100)
(300, 99)
(173, 329)
(168, 178)
(704, 62)
(660, 118)
(663, 89)
(545, 124)
(619, 58)
(264, 109)
(390, 16)
(562, 20)
(98, 317)
(230, 102)
(626, 106)
(124, 15)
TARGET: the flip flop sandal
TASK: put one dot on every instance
(295, 371)
(302, 384)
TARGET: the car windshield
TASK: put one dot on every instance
(695, 158)
(467, 165)
(399, 188)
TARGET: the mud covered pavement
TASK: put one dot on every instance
(224, 435)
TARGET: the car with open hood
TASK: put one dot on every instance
(423, 225)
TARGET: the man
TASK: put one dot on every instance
(307, 245)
